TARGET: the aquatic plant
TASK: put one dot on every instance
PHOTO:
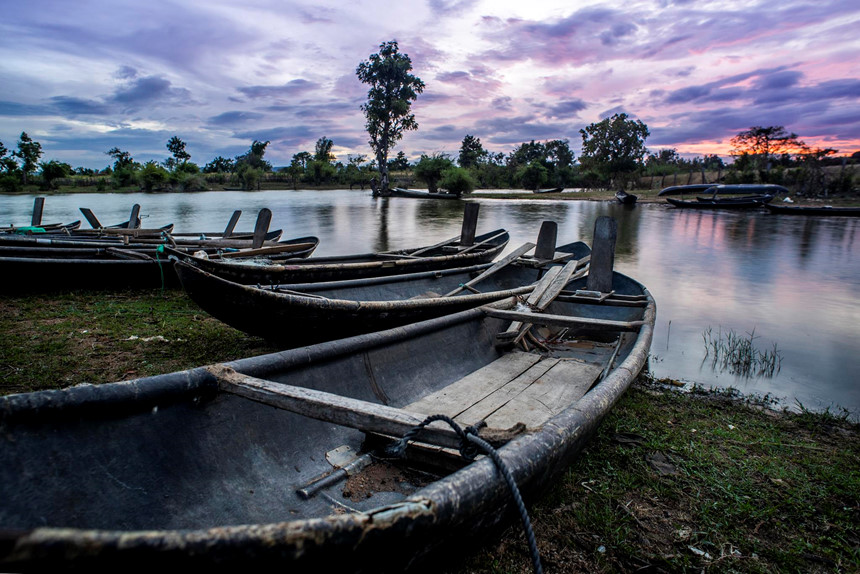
(738, 355)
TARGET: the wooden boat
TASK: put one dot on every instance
(276, 461)
(751, 202)
(549, 190)
(445, 255)
(825, 210)
(36, 268)
(43, 229)
(724, 189)
(462, 251)
(415, 194)
(625, 198)
(294, 315)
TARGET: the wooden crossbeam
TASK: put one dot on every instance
(337, 409)
(499, 265)
(562, 320)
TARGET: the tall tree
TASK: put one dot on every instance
(29, 153)
(323, 150)
(389, 100)
(614, 148)
(472, 152)
(177, 149)
(761, 145)
(7, 164)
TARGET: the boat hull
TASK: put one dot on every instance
(172, 470)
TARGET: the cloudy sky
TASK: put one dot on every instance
(85, 76)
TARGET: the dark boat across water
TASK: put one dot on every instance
(824, 210)
(277, 461)
(724, 189)
(751, 202)
(416, 194)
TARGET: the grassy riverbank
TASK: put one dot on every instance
(672, 481)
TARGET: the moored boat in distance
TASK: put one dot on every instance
(750, 202)
(549, 190)
(724, 189)
(417, 194)
(823, 210)
(280, 461)
(625, 198)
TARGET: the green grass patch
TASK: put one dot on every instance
(62, 340)
(674, 482)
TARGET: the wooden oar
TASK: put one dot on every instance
(437, 246)
(504, 262)
(544, 293)
(262, 251)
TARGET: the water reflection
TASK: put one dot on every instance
(792, 280)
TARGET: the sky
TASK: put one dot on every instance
(84, 76)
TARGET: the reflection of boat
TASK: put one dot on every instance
(724, 189)
(625, 198)
(750, 202)
(550, 190)
(412, 193)
(272, 461)
(810, 210)
(313, 312)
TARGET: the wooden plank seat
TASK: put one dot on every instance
(517, 388)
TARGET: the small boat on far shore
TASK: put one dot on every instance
(416, 194)
(625, 198)
(549, 190)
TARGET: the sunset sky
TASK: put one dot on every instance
(85, 76)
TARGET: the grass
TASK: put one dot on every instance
(73, 338)
(690, 483)
(671, 482)
(738, 354)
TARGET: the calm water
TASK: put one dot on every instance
(793, 281)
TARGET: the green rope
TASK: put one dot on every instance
(159, 250)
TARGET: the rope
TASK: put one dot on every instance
(158, 251)
(470, 442)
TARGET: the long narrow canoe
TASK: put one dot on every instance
(40, 268)
(722, 203)
(307, 313)
(446, 255)
(416, 194)
(814, 210)
(724, 189)
(274, 462)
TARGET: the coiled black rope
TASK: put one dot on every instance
(470, 442)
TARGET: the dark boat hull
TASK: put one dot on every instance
(625, 198)
(703, 203)
(338, 268)
(415, 194)
(172, 471)
(302, 314)
(724, 189)
(806, 210)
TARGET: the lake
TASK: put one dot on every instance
(789, 281)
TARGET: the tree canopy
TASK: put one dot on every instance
(389, 100)
(763, 144)
(29, 152)
(471, 152)
(614, 147)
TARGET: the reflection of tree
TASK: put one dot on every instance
(382, 239)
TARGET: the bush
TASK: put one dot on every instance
(10, 184)
(457, 180)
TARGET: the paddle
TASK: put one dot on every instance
(504, 262)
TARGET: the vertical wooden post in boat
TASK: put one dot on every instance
(546, 240)
(470, 224)
(134, 218)
(602, 255)
(38, 206)
(91, 218)
(231, 225)
(262, 227)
